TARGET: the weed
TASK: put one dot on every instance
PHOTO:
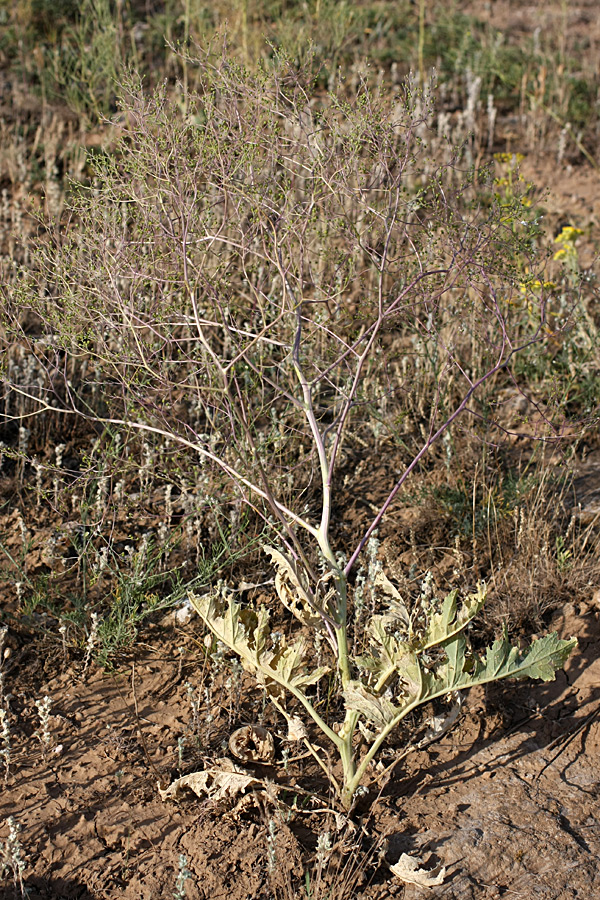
(314, 207)
(43, 706)
(5, 737)
(183, 876)
(12, 858)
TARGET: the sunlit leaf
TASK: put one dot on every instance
(502, 660)
(378, 710)
(247, 633)
(291, 591)
(452, 618)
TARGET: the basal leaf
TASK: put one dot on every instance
(247, 633)
(397, 613)
(376, 709)
(290, 590)
(451, 619)
(543, 658)
(502, 660)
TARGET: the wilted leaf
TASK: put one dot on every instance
(367, 733)
(451, 619)
(247, 634)
(397, 613)
(252, 743)
(382, 581)
(290, 590)
(439, 725)
(378, 710)
(296, 729)
(213, 783)
(407, 868)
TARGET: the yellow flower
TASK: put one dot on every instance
(568, 235)
(542, 284)
(536, 285)
(509, 157)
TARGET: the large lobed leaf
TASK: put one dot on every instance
(417, 679)
(452, 619)
(456, 671)
(392, 655)
(247, 633)
(540, 660)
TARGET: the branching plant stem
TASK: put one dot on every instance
(245, 287)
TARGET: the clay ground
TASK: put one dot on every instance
(508, 801)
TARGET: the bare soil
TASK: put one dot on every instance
(508, 801)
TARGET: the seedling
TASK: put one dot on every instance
(43, 706)
(5, 738)
(183, 876)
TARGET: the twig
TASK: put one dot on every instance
(136, 716)
(567, 740)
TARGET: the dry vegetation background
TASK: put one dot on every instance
(107, 685)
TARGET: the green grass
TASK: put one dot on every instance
(72, 52)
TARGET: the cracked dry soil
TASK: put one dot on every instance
(508, 801)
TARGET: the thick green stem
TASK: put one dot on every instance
(340, 614)
(346, 752)
(341, 633)
(357, 774)
(348, 728)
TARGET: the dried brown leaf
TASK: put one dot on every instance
(214, 783)
(407, 869)
(252, 743)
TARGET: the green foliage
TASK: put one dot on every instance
(410, 663)
(142, 588)
(75, 50)
(88, 63)
(582, 101)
